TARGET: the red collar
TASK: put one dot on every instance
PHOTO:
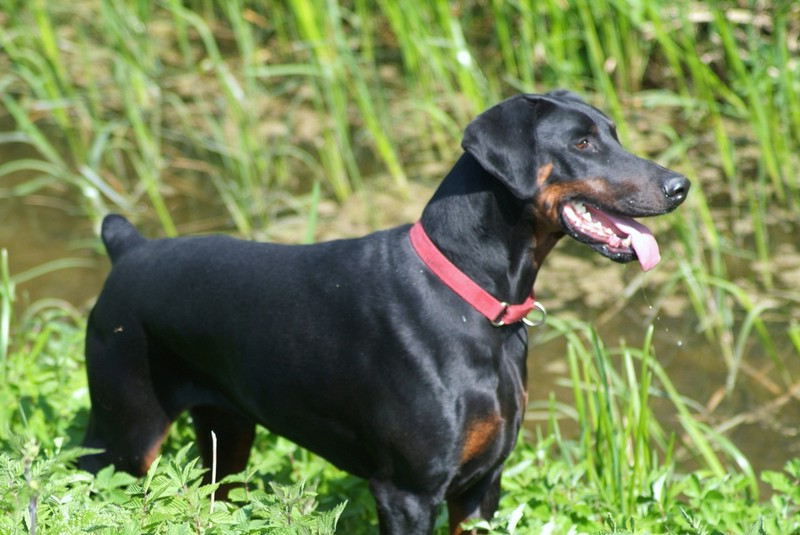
(498, 312)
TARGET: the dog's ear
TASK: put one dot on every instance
(503, 140)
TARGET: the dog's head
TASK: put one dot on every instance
(563, 156)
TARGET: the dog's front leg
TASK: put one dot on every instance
(401, 511)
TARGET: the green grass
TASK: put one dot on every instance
(618, 475)
(251, 112)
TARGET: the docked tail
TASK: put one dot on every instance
(119, 236)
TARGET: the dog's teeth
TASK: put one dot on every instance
(627, 241)
(579, 207)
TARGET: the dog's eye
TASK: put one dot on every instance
(582, 144)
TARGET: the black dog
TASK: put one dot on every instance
(389, 358)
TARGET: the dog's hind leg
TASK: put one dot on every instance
(126, 420)
(234, 434)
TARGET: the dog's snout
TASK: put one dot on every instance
(676, 188)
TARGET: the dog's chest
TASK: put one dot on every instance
(490, 424)
(480, 436)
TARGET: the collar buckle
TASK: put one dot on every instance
(498, 320)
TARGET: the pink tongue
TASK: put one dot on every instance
(642, 240)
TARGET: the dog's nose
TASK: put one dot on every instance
(676, 188)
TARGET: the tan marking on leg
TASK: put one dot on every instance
(456, 517)
(479, 435)
(153, 451)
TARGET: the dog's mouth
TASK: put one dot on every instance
(617, 237)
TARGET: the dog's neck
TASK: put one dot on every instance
(484, 230)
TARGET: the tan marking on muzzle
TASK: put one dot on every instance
(543, 174)
(593, 190)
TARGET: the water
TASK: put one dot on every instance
(35, 232)
(756, 415)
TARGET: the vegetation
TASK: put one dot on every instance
(618, 476)
(238, 116)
